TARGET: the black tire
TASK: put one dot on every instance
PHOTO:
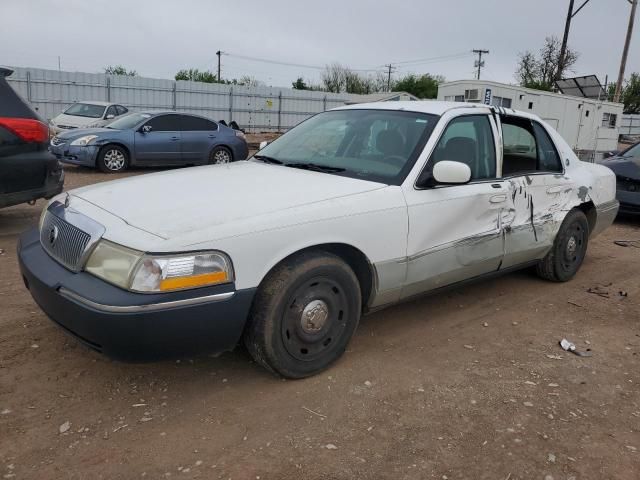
(568, 251)
(113, 159)
(220, 156)
(304, 314)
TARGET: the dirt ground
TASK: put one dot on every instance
(466, 385)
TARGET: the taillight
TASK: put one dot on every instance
(27, 129)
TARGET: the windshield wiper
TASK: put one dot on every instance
(267, 159)
(315, 167)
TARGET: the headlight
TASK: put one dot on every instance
(83, 141)
(140, 272)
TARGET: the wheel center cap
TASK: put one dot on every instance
(571, 246)
(314, 316)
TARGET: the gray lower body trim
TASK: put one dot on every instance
(605, 215)
(143, 308)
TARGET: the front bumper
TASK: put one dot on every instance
(76, 155)
(629, 202)
(132, 326)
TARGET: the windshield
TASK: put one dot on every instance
(128, 121)
(376, 145)
(85, 110)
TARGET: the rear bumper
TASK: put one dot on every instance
(53, 185)
(605, 215)
(131, 326)
(76, 155)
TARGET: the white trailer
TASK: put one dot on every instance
(590, 126)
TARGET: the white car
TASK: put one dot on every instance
(355, 209)
(86, 115)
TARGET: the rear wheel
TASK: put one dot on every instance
(113, 159)
(220, 155)
(568, 251)
(304, 315)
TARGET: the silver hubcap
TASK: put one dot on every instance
(314, 316)
(222, 156)
(571, 246)
(114, 160)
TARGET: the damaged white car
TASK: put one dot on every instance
(355, 209)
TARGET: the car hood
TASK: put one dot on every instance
(81, 132)
(74, 121)
(177, 203)
(624, 167)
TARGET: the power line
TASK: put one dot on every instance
(291, 64)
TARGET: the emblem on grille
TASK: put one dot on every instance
(53, 235)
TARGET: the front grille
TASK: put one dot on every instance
(66, 127)
(63, 241)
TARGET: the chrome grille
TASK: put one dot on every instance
(63, 241)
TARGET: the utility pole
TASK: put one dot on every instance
(390, 69)
(565, 37)
(219, 54)
(58, 62)
(479, 63)
(625, 51)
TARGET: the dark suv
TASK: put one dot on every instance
(27, 170)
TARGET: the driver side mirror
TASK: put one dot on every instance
(110, 116)
(263, 144)
(451, 173)
(146, 129)
(445, 172)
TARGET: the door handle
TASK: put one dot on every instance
(173, 139)
(501, 197)
(212, 136)
(554, 190)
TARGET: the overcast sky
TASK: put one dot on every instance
(159, 37)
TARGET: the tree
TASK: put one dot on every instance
(540, 71)
(195, 75)
(120, 70)
(300, 84)
(630, 95)
(338, 78)
(249, 81)
(423, 86)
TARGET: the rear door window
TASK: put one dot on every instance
(196, 124)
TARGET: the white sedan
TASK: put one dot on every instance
(355, 209)
(86, 115)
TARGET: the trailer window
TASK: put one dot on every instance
(609, 120)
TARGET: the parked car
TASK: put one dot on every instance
(86, 115)
(151, 139)
(354, 209)
(626, 166)
(27, 170)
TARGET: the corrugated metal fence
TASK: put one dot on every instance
(630, 125)
(253, 108)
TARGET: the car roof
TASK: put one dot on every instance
(97, 102)
(433, 107)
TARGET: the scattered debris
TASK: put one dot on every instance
(628, 243)
(631, 447)
(469, 347)
(135, 405)
(5, 411)
(528, 404)
(574, 304)
(529, 382)
(146, 419)
(64, 428)
(120, 427)
(330, 446)
(485, 324)
(551, 458)
(622, 293)
(599, 290)
(571, 347)
(1, 251)
(555, 357)
(553, 385)
(367, 383)
(315, 413)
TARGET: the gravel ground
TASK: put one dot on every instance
(466, 385)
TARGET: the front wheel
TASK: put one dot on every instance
(568, 251)
(113, 159)
(304, 315)
(220, 156)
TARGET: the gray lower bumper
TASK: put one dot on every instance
(605, 215)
